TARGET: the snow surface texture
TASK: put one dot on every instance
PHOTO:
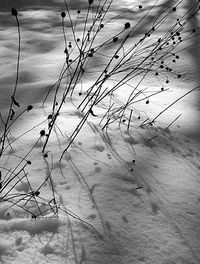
(127, 195)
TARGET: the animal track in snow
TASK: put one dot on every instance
(131, 140)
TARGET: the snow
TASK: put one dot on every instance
(118, 195)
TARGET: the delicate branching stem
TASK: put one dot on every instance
(15, 88)
(169, 106)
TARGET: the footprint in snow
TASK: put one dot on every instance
(99, 147)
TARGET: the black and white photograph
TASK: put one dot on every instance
(99, 132)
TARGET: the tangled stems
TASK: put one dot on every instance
(13, 100)
(150, 55)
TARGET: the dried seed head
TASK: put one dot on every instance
(33, 216)
(29, 108)
(37, 193)
(90, 2)
(63, 14)
(115, 39)
(14, 101)
(12, 114)
(14, 12)
(127, 25)
(42, 133)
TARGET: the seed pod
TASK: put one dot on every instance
(29, 108)
(14, 12)
(0, 181)
(92, 113)
(12, 114)
(63, 14)
(115, 39)
(14, 101)
(37, 193)
(42, 133)
(127, 25)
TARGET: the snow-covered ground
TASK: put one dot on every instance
(127, 196)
